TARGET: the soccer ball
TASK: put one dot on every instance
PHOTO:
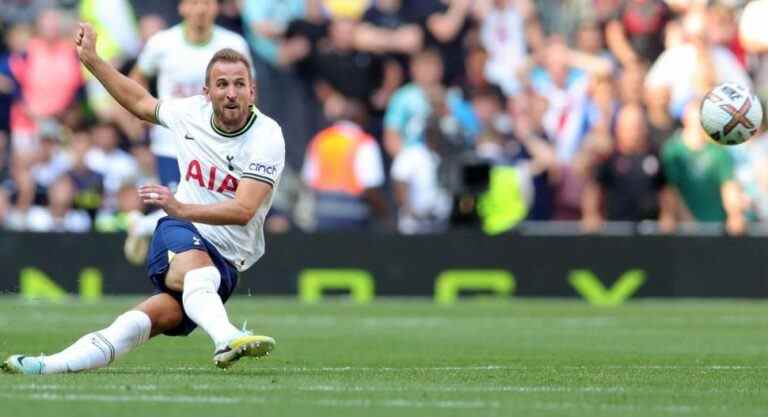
(731, 114)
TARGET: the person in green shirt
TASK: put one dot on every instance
(702, 174)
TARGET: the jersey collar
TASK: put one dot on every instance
(248, 124)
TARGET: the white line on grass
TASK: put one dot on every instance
(522, 389)
(182, 399)
(423, 388)
(491, 368)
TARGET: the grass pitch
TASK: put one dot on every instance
(413, 358)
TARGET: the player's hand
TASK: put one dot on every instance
(161, 196)
(85, 41)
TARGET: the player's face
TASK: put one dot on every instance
(199, 13)
(231, 91)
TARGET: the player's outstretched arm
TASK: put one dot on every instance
(127, 92)
(237, 211)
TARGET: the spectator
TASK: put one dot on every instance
(343, 169)
(309, 29)
(59, 215)
(10, 91)
(88, 184)
(36, 172)
(635, 34)
(629, 183)
(751, 172)
(46, 96)
(693, 67)
(265, 25)
(388, 28)
(753, 34)
(230, 17)
(111, 221)
(15, 12)
(702, 176)
(502, 34)
(447, 25)
(474, 75)
(341, 72)
(532, 147)
(423, 204)
(409, 108)
(114, 164)
(723, 31)
(566, 122)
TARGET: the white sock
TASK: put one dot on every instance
(100, 348)
(203, 304)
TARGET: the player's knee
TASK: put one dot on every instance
(206, 279)
(184, 263)
(174, 282)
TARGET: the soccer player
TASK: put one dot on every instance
(177, 57)
(232, 157)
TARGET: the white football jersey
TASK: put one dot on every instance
(213, 162)
(180, 69)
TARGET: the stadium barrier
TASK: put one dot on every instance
(604, 270)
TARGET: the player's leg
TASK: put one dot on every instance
(194, 274)
(98, 349)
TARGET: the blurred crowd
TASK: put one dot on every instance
(411, 115)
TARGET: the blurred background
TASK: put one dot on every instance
(413, 116)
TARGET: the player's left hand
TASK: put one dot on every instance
(161, 196)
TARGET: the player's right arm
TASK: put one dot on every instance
(132, 96)
(139, 77)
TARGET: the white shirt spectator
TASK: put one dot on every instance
(428, 203)
(47, 172)
(502, 35)
(675, 69)
(117, 166)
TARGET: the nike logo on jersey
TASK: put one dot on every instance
(187, 137)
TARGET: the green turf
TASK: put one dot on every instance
(412, 358)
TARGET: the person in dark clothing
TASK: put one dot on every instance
(636, 33)
(629, 184)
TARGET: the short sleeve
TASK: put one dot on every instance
(669, 164)
(150, 56)
(394, 117)
(171, 112)
(267, 158)
(165, 112)
(368, 165)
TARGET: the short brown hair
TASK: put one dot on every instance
(227, 55)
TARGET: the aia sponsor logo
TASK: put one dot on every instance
(214, 180)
